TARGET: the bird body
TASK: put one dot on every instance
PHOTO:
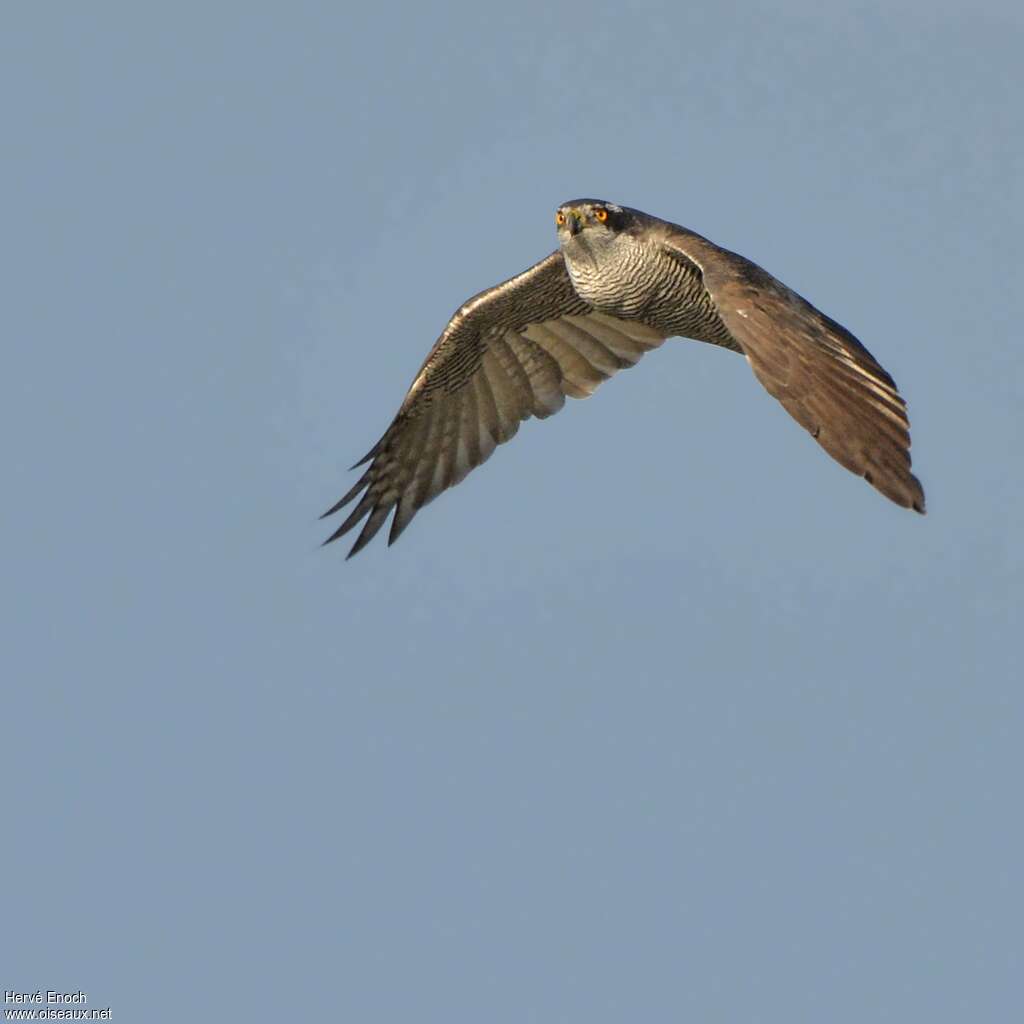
(620, 283)
(629, 274)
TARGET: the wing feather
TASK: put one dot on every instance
(490, 422)
(509, 353)
(508, 399)
(591, 348)
(823, 376)
(580, 378)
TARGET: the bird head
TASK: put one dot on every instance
(593, 218)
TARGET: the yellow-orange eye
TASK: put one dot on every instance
(559, 218)
(601, 215)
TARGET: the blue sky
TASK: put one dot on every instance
(661, 714)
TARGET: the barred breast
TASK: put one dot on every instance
(635, 280)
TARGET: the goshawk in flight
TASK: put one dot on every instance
(619, 284)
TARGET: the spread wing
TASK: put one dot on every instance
(823, 376)
(509, 353)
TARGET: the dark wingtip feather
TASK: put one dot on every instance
(375, 450)
(916, 495)
(404, 513)
(362, 482)
(366, 505)
(333, 537)
(330, 512)
(370, 528)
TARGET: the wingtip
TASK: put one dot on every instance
(337, 535)
(355, 549)
(330, 540)
(361, 484)
(369, 455)
(362, 540)
(915, 500)
(918, 503)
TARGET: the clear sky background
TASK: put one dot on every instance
(661, 715)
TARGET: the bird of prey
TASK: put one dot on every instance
(619, 284)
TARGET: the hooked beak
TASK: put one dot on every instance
(573, 221)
